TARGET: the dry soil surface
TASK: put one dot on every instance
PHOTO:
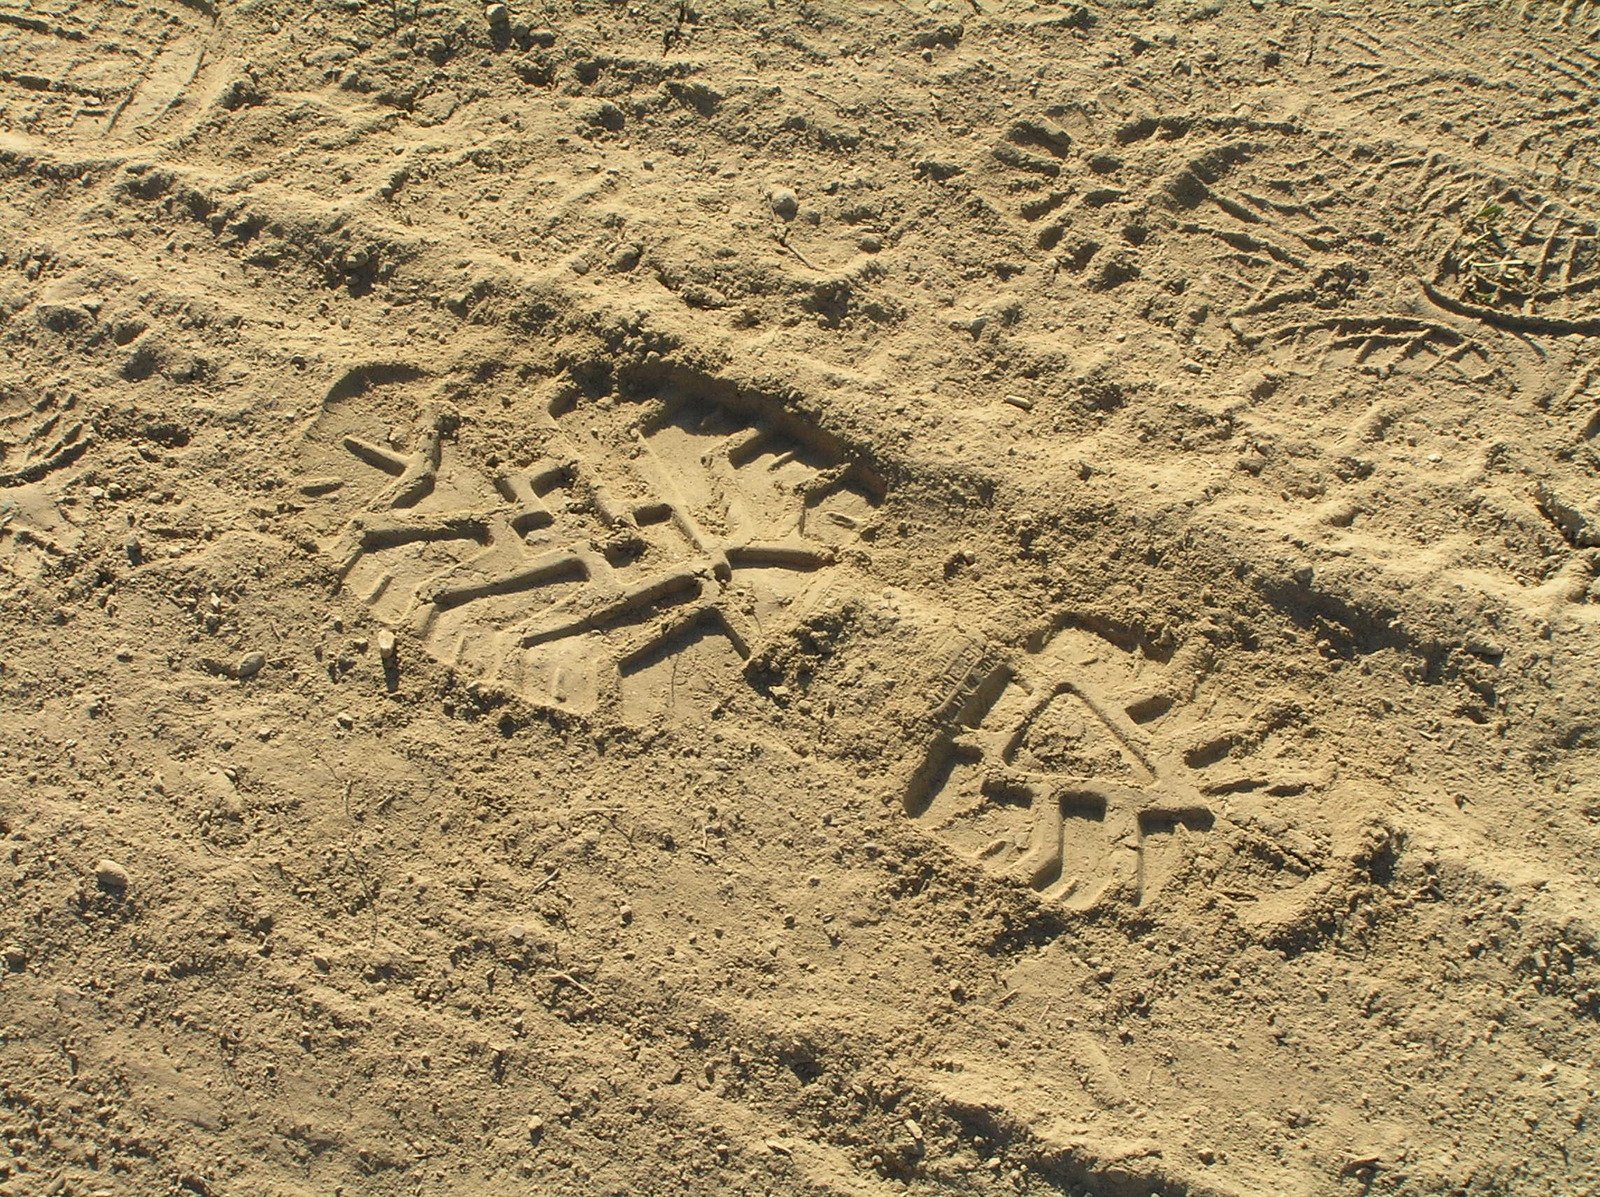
(799, 597)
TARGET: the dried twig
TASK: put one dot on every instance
(569, 979)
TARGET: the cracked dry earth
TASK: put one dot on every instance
(799, 597)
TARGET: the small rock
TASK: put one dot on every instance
(517, 932)
(498, 16)
(870, 243)
(134, 549)
(627, 257)
(249, 665)
(607, 116)
(124, 653)
(345, 720)
(111, 877)
(785, 203)
(386, 646)
(1253, 461)
(16, 959)
(535, 1128)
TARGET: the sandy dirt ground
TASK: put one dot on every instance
(799, 597)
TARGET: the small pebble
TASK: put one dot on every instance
(345, 720)
(627, 257)
(249, 665)
(785, 204)
(1020, 401)
(498, 16)
(111, 877)
(386, 646)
